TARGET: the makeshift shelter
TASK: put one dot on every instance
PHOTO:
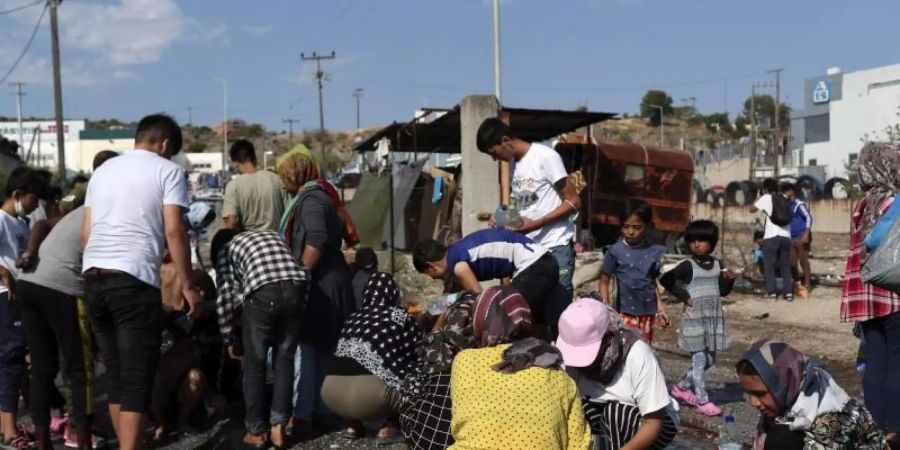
(432, 203)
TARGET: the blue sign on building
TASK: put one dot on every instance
(822, 92)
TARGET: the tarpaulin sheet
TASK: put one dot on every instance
(369, 208)
(405, 178)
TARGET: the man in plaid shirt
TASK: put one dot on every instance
(256, 273)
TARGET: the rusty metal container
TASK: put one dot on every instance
(620, 172)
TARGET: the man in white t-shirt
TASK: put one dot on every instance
(545, 197)
(133, 211)
(776, 245)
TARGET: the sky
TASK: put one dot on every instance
(127, 58)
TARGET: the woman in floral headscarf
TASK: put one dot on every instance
(314, 229)
(801, 406)
(876, 311)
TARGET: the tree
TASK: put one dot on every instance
(649, 103)
(765, 113)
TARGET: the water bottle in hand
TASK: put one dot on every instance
(500, 217)
(513, 218)
(440, 304)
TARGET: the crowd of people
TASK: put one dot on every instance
(515, 360)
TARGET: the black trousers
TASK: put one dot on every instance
(56, 323)
(126, 316)
(537, 284)
(12, 354)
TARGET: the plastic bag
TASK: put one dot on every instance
(882, 227)
(882, 268)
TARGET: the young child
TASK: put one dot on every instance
(635, 263)
(700, 282)
(22, 191)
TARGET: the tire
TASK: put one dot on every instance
(808, 188)
(837, 188)
(734, 196)
(709, 196)
(719, 201)
(674, 243)
(697, 193)
(750, 191)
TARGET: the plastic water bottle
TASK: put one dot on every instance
(513, 218)
(500, 217)
(728, 437)
(440, 304)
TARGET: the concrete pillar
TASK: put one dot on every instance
(480, 187)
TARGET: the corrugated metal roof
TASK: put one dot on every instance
(442, 135)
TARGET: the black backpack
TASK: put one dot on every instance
(781, 210)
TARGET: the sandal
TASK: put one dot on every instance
(21, 441)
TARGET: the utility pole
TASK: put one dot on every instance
(19, 95)
(752, 131)
(225, 126)
(57, 93)
(777, 133)
(357, 93)
(320, 78)
(290, 123)
(497, 51)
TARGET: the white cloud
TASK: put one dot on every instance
(257, 30)
(198, 31)
(132, 32)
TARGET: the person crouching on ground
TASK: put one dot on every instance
(635, 264)
(800, 404)
(513, 395)
(376, 352)
(624, 391)
(256, 271)
(700, 282)
(493, 254)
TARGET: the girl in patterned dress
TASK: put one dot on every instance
(700, 281)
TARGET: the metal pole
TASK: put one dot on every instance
(752, 132)
(57, 94)
(19, 95)
(225, 126)
(497, 51)
(777, 132)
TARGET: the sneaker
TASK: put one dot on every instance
(709, 409)
(70, 440)
(772, 297)
(788, 297)
(685, 395)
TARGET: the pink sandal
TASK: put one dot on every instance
(709, 409)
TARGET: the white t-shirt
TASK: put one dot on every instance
(639, 383)
(764, 204)
(126, 197)
(535, 195)
(14, 234)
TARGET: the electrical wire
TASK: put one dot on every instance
(27, 46)
(21, 7)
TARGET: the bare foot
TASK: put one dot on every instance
(158, 433)
(277, 436)
(388, 431)
(252, 439)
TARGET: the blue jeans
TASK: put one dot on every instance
(777, 254)
(271, 318)
(562, 295)
(310, 368)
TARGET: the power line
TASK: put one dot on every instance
(19, 8)
(27, 46)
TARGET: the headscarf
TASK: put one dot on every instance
(501, 313)
(456, 334)
(879, 176)
(802, 389)
(303, 170)
(381, 336)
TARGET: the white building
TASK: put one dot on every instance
(38, 146)
(205, 162)
(842, 111)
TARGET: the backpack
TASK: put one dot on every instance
(782, 214)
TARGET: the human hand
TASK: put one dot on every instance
(728, 274)
(25, 261)
(192, 298)
(663, 318)
(528, 225)
(492, 222)
(232, 354)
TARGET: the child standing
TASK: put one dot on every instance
(700, 282)
(635, 263)
(22, 191)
